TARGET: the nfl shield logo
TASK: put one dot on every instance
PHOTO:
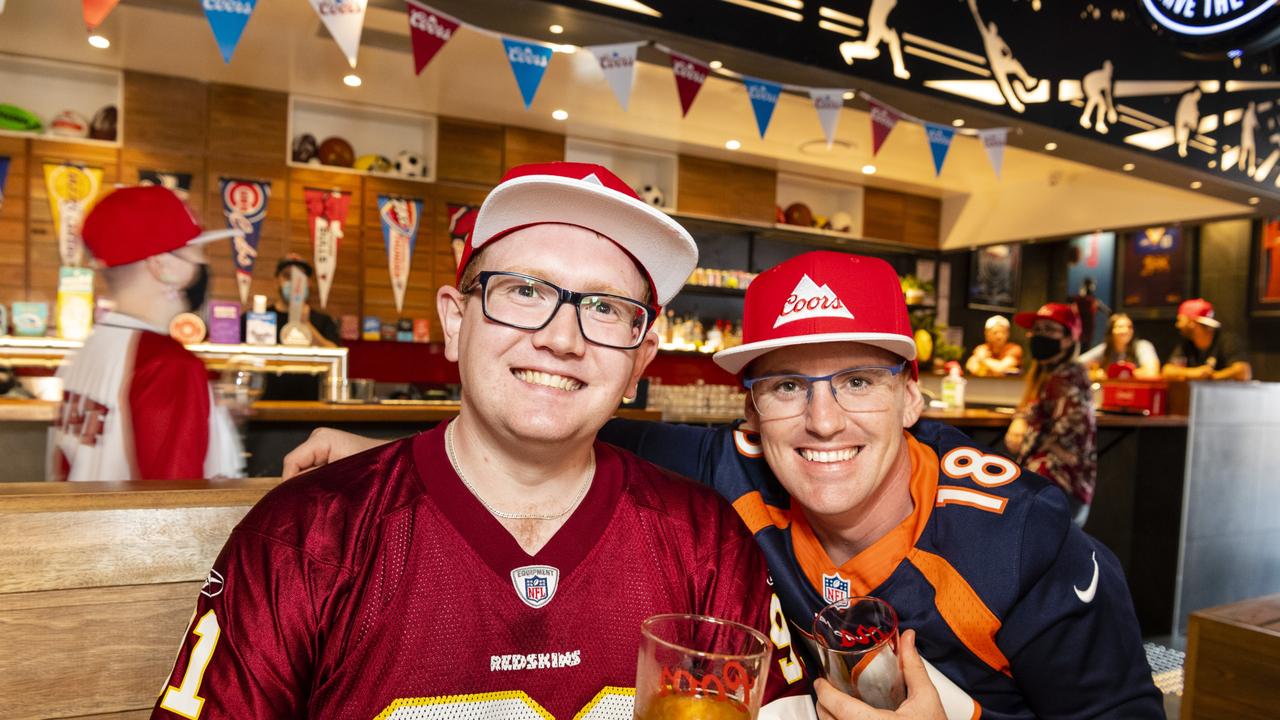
(834, 588)
(535, 584)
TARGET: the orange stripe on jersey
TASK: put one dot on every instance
(758, 515)
(964, 612)
(872, 567)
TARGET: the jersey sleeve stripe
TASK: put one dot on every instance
(758, 515)
(964, 612)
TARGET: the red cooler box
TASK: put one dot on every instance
(1149, 397)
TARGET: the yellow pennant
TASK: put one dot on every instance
(72, 192)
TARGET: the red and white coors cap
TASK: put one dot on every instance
(592, 197)
(822, 297)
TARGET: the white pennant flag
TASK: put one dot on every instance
(828, 103)
(993, 141)
(1, 6)
(618, 63)
(344, 19)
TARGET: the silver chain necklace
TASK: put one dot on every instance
(453, 460)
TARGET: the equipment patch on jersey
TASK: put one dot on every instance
(535, 584)
(834, 588)
(212, 584)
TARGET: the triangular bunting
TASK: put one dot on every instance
(939, 143)
(764, 98)
(95, 11)
(994, 141)
(618, 63)
(428, 31)
(883, 119)
(828, 103)
(227, 20)
(1, 6)
(528, 63)
(4, 160)
(344, 19)
(690, 75)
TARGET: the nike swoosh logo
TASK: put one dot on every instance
(1086, 595)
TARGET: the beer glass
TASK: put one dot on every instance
(857, 641)
(694, 667)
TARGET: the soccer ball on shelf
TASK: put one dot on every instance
(653, 195)
(410, 164)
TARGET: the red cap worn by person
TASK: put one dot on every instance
(1200, 310)
(592, 197)
(134, 223)
(821, 297)
(1064, 315)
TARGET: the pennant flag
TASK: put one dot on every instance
(95, 11)
(883, 119)
(993, 141)
(690, 75)
(326, 216)
(244, 203)
(828, 103)
(939, 143)
(618, 63)
(764, 98)
(179, 183)
(4, 160)
(462, 218)
(428, 31)
(345, 20)
(1, 6)
(528, 63)
(227, 20)
(72, 191)
(399, 233)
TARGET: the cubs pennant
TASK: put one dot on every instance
(399, 233)
(244, 203)
(326, 219)
(72, 192)
(429, 30)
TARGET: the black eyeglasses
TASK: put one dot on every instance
(530, 303)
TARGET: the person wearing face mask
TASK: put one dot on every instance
(136, 404)
(293, 277)
(1055, 432)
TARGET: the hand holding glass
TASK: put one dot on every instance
(858, 644)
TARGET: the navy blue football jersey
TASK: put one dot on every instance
(1018, 613)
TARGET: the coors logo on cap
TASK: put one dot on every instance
(809, 300)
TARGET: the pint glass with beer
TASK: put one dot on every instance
(694, 667)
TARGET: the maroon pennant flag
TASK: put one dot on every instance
(883, 119)
(690, 75)
(429, 31)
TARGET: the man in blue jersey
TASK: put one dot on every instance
(1018, 613)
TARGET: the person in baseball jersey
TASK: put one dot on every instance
(1018, 613)
(498, 565)
(136, 404)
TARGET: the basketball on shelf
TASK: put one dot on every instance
(409, 164)
(337, 152)
(799, 214)
(305, 148)
(103, 125)
(653, 195)
(69, 123)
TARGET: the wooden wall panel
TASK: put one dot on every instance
(909, 219)
(13, 223)
(419, 296)
(721, 189)
(521, 146)
(166, 114)
(469, 153)
(248, 124)
(344, 295)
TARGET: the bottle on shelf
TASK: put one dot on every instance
(953, 387)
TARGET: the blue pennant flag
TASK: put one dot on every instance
(228, 19)
(939, 143)
(528, 63)
(764, 98)
(4, 173)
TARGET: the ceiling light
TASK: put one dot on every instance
(560, 115)
(566, 49)
(99, 42)
(848, 95)
(1051, 146)
(732, 145)
(1254, 200)
(1196, 184)
(631, 5)
(715, 64)
(352, 80)
(958, 122)
(868, 169)
(556, 29)
(1128, 167)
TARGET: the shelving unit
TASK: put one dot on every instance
(824, 198)
(48, 87)
(370, 130)
(636, 167)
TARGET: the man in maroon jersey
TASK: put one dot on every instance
(500, 565)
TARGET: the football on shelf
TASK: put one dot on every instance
(69, 123)
(410, 164)
(103, 125)
(653, 195)
(304, 148)
(337, 152)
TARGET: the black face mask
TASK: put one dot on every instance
(198, 290)
(1045, 348)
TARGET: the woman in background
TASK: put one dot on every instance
(1121, 345)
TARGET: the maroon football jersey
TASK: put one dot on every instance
(378, 586)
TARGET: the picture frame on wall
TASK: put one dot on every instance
(1155, 271)
(995, 272)
(1264, 268)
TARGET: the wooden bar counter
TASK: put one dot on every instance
(1233, 661)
